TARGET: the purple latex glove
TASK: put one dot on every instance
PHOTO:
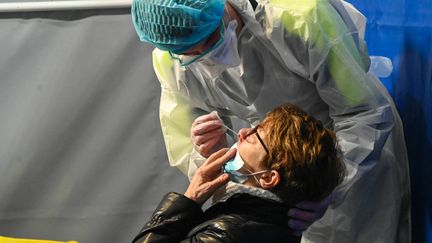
(306, 213)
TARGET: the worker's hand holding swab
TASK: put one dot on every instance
(208, 134)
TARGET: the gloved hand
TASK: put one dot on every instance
(208, 134)
(306, 213)
(208, 178)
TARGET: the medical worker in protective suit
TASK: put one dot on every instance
(229, 62)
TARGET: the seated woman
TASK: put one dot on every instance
(290, 157)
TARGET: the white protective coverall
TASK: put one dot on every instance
(309, 53)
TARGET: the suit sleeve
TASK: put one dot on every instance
(176, 116)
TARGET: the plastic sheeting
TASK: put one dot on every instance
(81, 151)
(402, 31)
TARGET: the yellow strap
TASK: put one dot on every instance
(16, 240)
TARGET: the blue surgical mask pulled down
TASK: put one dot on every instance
(233, 166)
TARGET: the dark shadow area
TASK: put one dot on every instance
(413, 98)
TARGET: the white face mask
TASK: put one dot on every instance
(226, 55)
(227, 52)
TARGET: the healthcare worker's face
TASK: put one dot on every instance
(206, 44)
(252, 150)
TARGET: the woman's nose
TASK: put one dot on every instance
(242, 134)
(239, 137)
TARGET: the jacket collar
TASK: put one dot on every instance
(232, 188)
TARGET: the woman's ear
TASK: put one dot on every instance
(269, 179)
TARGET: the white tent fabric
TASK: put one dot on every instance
(81, 152)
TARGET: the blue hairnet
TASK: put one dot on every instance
(176, 25)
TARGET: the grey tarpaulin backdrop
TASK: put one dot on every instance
(81, 151)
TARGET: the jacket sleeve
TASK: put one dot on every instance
(174, 217)
(225, 228)
(336, 64)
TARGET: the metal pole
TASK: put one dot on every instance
(62, 5)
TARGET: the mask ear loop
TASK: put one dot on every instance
(256, 173)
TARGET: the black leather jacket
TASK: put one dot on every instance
(241, 218)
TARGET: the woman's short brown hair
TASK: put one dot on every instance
(305, 154)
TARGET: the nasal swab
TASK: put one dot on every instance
(229, 129)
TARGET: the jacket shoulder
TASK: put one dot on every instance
(236, 228)
(243, 218)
